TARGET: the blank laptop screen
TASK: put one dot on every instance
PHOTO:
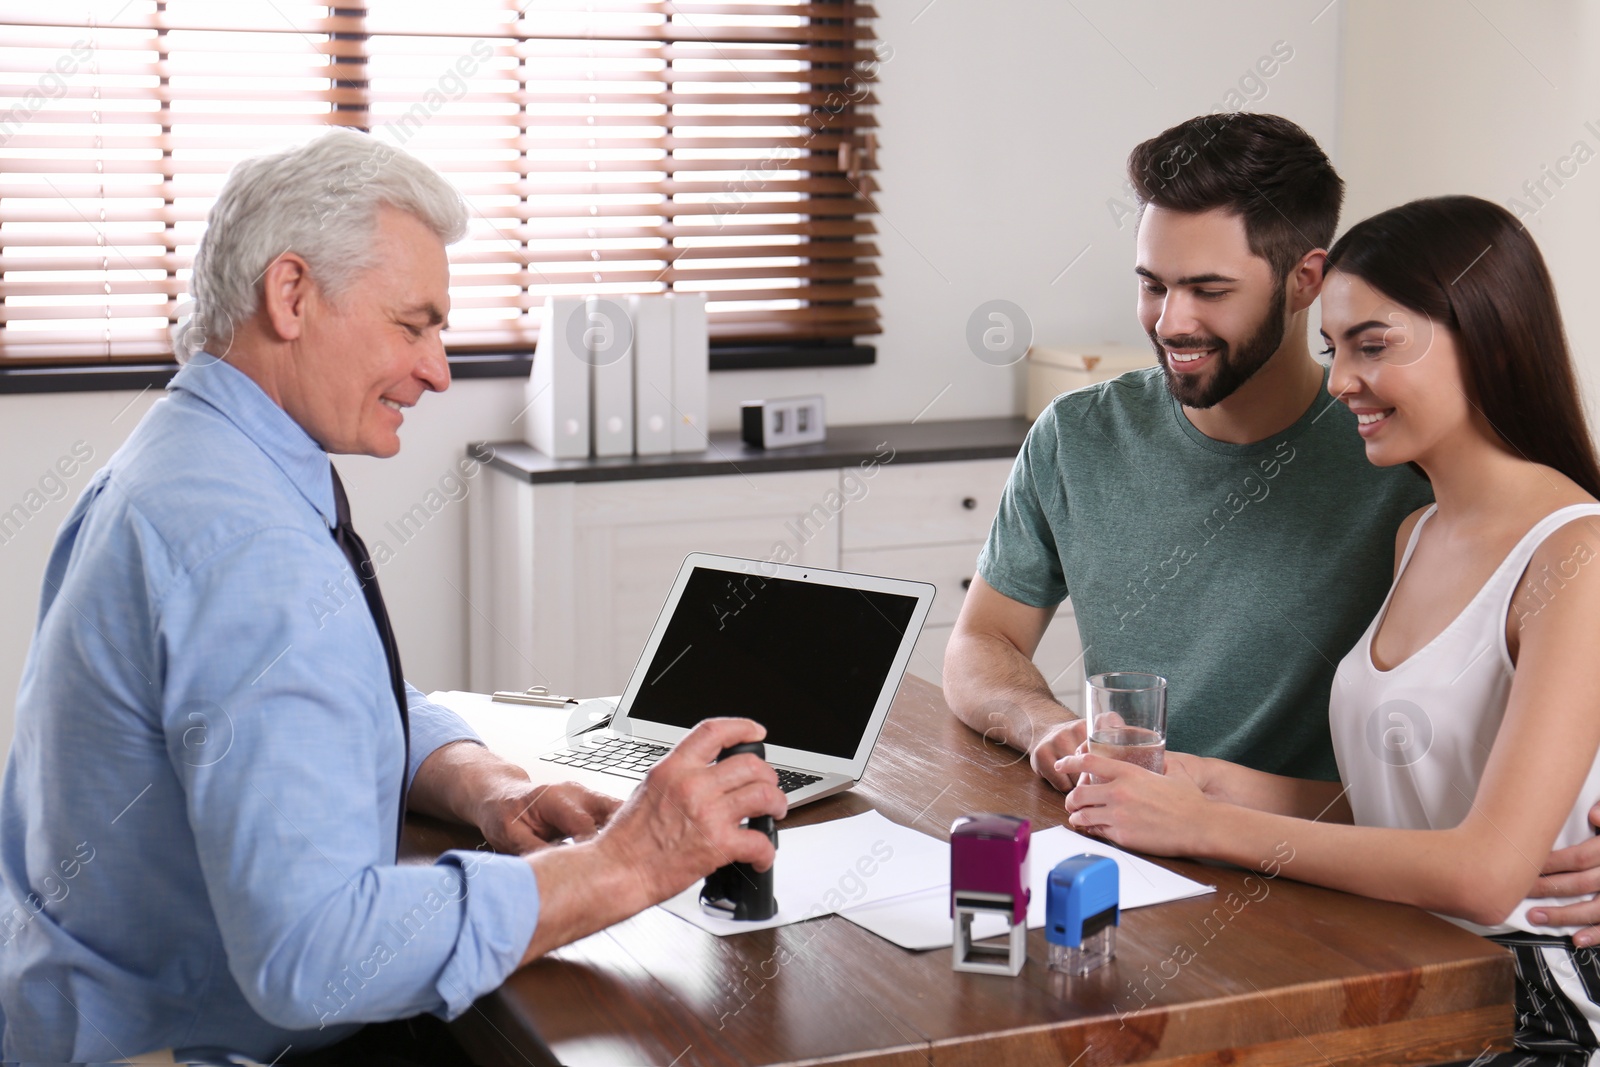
(805, 660)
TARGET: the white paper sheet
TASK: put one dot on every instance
(832, 865)
(922, 920)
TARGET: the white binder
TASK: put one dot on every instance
(557, 417)
(652, 374)
(691, 367)
(609, 336)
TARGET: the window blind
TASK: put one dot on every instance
(608, 147)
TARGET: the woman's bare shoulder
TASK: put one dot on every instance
(1402, 536)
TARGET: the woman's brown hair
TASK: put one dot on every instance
(1469, 265)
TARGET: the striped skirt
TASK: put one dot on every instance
(1558, 1004)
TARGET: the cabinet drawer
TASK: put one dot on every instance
(797, 496)
(926, 504)
(948, 567)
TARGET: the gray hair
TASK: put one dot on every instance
(319, 200)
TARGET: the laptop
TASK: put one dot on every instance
(816, 656)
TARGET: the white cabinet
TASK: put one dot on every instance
(566, 578)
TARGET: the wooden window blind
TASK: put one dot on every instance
(605, 147)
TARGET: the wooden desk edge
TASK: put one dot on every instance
(1476, 995)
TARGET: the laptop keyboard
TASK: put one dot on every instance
(789, 781)
(611, 755)
(633, 759)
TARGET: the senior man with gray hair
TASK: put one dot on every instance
(198, 825)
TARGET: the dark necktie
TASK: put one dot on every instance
(355, 551)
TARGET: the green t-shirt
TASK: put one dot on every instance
(1240, 573)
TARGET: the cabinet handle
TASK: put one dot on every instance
(970, 503)
(966, 583)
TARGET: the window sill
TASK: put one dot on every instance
(118, 376)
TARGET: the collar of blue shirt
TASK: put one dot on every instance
(237, 398)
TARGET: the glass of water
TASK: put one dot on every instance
(1127, 718)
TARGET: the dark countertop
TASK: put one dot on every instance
(926, 442)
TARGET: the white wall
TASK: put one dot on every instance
(1495, 94)
(1005, 126)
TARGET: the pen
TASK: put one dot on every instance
(536, 695)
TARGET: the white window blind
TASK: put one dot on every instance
(610, 147)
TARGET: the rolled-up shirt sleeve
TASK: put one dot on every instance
(294, 821)
(502, 911)
(433, 726)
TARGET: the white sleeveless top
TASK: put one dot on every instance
(1412, 742)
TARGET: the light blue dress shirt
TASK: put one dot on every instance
(197, 820)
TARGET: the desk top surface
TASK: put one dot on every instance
(1294, 973)
(846, 446)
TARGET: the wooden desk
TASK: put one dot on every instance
(1262, 972)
